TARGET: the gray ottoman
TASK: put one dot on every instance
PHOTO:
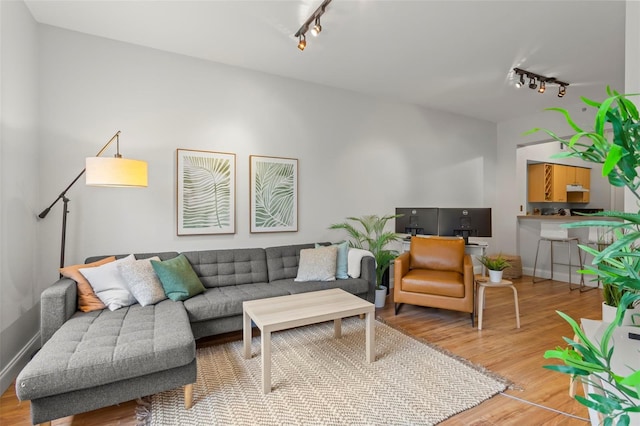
(102, 358)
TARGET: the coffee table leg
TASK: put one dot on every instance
(246, 334)
(337, 328)
(266, 362)
(370, 335)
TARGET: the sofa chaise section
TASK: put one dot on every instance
(101, 358)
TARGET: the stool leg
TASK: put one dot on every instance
(480, 306)
(535, 265)
(515, 301)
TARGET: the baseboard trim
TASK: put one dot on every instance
(11, 371)
(561, 276)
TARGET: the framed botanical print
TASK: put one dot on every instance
(273, 194)
(206, 192)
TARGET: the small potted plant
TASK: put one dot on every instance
(373, 238)
(496, 266)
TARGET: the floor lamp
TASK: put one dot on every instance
(102, 171)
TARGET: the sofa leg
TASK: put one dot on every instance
(473, 319)
(398, 305)
(188, 396)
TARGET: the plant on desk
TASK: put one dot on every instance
(617, 266)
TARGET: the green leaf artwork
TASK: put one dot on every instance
(205, 193)
(274, 194)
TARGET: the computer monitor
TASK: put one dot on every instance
(472, 222)
(417, 221)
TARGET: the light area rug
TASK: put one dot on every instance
(320, 380)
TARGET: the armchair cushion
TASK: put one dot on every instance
(434, 253)
(441, 283)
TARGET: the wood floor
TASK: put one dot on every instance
(515, 354)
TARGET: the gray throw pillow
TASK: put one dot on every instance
(143, 281)
(317, 264)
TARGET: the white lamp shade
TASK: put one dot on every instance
(105, 171)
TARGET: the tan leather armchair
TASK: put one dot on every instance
(435, 272)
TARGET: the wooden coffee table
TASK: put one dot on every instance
(284, 312)
(484, 283)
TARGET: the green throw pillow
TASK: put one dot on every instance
(178, 278)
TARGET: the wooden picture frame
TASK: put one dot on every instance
(206, 192)
(273, 194)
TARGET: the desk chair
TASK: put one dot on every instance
(553, 232)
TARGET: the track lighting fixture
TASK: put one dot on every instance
(537, 81)
(315, 30)
(302, 41)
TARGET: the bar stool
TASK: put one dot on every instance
(599, 238)
(555, 233)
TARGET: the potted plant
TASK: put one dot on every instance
(374, 238)
(616, 265)
(496, 265)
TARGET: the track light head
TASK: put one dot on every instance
(520, 83)
(532, 83)
(302, 42)
(542, 87)
(562, 90)
(316, 28)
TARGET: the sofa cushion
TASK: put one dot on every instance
(99, 347)
(218, 268)
(317, 264)
(108, 284)
(143, 281)
(227, 301)
(178, 278)
(87, 299)
(351, 285)
(282, 261)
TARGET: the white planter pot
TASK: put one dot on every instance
(495, 276)
(381, 297)
(631, 315)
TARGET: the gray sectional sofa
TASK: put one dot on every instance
(90, 360)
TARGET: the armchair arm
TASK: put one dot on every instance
(401, 268)
(368, 272)
(467, 268)
(57, 304)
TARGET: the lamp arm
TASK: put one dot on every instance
(45, 212)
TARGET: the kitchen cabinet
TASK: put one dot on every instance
(579, 177)
(546, 183)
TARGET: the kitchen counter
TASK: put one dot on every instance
(566, 218)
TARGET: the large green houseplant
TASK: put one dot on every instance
(616, 265)
(367, 233)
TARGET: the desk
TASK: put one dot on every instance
(625, 358)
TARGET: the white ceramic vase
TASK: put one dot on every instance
(631, 316)
(495, 276)
(381, 297)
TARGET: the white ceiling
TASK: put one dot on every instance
(449, 55)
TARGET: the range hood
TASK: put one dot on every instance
(576, 188)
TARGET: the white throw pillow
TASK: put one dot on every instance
(354, 262)
(108, 284)
(142, 281)
(317, 264)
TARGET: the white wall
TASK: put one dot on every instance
(19, 293)
(357, 154)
